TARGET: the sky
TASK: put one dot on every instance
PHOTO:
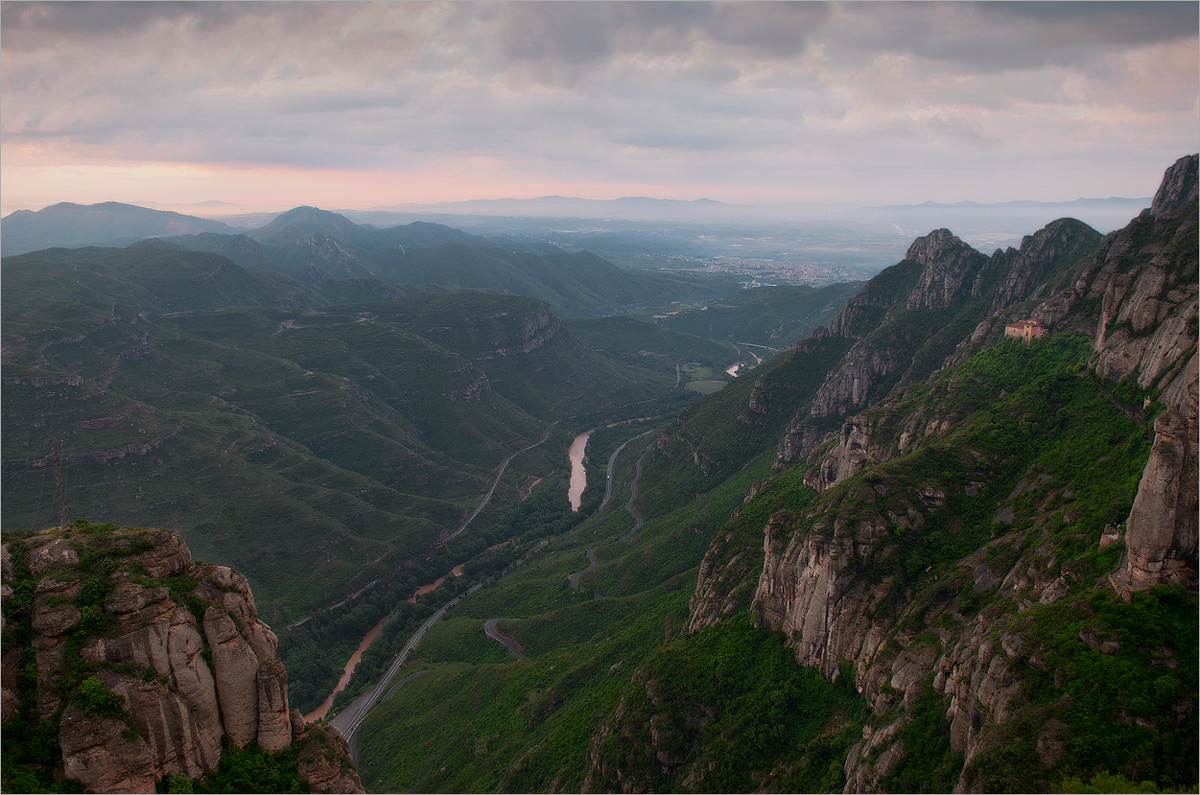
(261, 106)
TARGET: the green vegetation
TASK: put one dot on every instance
(1120, 677)
(95, 699)
(582, 652)
(793, 728)
(639, 343)
(249, 769)
(517, 725)
(315, 450)
(776, 316)
(928, 764)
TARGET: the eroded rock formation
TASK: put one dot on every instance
(1136, 299)
(177, 653)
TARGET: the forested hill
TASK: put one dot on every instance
(909, 555)
(264, 432)
(316, 250)
(995, 542)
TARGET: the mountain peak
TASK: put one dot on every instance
(935, 246)
(306, 220)
(1178, 188)
(949, 267)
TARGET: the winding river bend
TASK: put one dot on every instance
(578, 473)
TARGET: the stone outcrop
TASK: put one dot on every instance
(1144, 280)
(96, 753)
(1160, 539)
(939, 273)
(948, 270)
(537, 328)
(822, 582)
(1022, 272)
(235, 669)
(177, 643)
(1179, 188)
(274, 732)
(324, 757)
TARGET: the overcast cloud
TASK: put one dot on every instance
(355, 105)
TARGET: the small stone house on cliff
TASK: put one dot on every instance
(1026, 330)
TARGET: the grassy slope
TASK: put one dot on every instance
(532, 726)
(267, 435)
(775, 316)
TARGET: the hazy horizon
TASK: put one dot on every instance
(266, 105)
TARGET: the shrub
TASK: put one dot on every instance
(96, 699)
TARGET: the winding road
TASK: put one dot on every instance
(573, 577)
(634, 512)
(350, 718)
(500, 474)
(612, 460)
(489, 629)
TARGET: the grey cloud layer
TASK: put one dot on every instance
(586, 88)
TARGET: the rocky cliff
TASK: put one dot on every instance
(966, 553)
(139, 663)
(910, 320)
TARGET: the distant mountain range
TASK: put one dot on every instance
(318, 249)
(115, 223)
(108, 224)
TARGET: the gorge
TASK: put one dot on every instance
(906, 552)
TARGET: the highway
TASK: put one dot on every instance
(349, 723)
(612, 459)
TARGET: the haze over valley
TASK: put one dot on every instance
(600, 397)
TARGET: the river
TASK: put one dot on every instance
(578, 474)
(355, 658)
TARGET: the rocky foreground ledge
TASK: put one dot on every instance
(142, 666)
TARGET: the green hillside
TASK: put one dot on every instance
(923, 515)
(776, 316)
(364, 431)
(609, 677)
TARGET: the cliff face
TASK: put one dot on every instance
(1143, 285)
(888, 571)
(904, 324)
(537, 328)
(143, 658)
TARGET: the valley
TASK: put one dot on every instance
(933, 541)
(633, 533)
